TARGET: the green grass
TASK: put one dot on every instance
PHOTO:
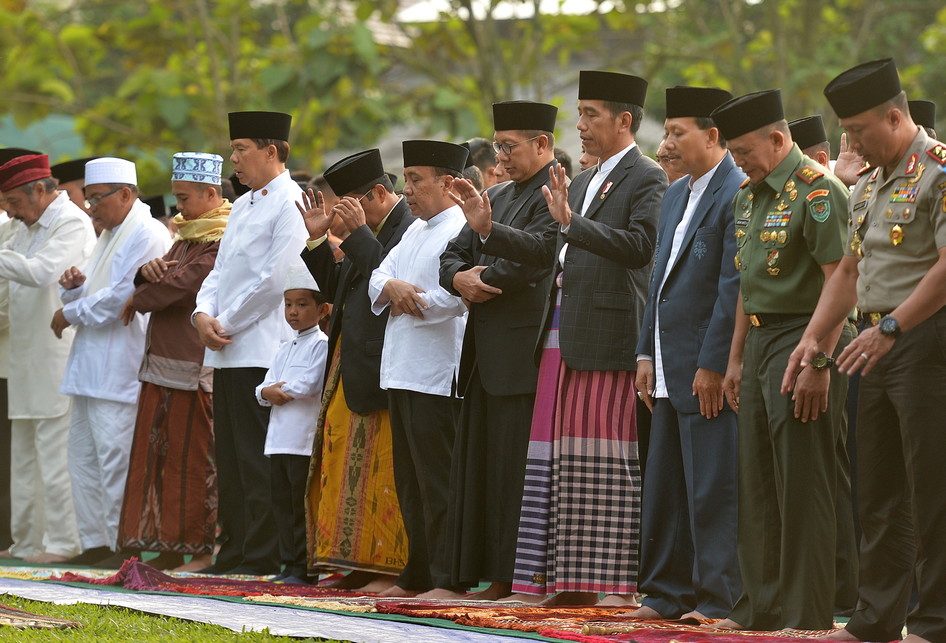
(106, 624)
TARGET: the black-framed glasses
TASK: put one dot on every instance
(93, 201)
(506, 148)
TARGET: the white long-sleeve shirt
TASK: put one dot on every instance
(244, 291)
(32, 262)
(421, 354)
(300, 363)
(106, 354)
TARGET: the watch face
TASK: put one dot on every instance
(819, 361)
(889, 326)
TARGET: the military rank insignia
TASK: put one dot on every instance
(938, 152)
(771, 261)
(808, 174)
(905, 193)
(911, 164)
(777, 219)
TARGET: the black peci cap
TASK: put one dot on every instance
(612, 86)
(354, 171)
(274, 125)
(697, 102)
(71, 170)
(435, 154)
(524, 115)
(748, 113)
(808, 131)
(923, 113)
(863, 87)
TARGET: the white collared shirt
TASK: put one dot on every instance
(697, 188)
(300, 363)
(265, 234)
(594, 188)
(32, 263)
(421, 354)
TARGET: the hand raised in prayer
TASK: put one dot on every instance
(811, 393)
(155, 269)
(472, 288)
(644, 381)
(405, 298)
(211, 333)
(128, 311)
(350, 212)
(275, 395)
(849, 163)
(59, 323)
(556, 195)
(732, 384)
(312, 209)
(475, 206)
(708, 386)
(72, 278)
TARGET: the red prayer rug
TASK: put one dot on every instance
(139, 576)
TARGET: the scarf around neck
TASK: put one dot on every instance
(206, 228)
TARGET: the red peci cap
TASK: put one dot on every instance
(23, 169)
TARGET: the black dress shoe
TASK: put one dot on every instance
(90, 556)
(117, 559)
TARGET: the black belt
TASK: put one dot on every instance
(767, 319)
(870, 318)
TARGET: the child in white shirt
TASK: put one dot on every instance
(293, 387)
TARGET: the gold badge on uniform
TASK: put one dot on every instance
(896, 235)
(772, 262)
(782, 236)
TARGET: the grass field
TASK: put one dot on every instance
(119, 625)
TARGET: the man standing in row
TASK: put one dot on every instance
(102, 370)
(600, 247)
(789, 225)
(239, 319)
(354, 521)
(895, 262)
(497, 371)
(55, 235)
(419, 360)
(688, 526)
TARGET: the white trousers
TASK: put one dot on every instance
(42, 515)
(99, 447)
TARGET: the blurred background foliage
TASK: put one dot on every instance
(148, 78)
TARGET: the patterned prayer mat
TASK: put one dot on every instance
(12, 617)
(139, 576)
(588, 624)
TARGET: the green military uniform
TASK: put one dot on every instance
(897, 227)
(792, 475)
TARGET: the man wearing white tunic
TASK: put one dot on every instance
(102, 369)
(419, 360)
(239, 318)
(56, 234)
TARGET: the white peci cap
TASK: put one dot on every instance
(299, 278)
(110, 170)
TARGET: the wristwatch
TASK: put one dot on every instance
(889, 326)
(821, 361)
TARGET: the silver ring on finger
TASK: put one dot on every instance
(865, 357)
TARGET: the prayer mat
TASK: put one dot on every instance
(12, 617)
(139, 576)
(587, 624)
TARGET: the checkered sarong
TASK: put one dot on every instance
(579, 525)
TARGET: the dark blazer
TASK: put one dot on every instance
(698, 301)
(500, 333)
(607, 264)
(345, 284)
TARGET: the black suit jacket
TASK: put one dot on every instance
(345, 284)
(500, 333)
(607, 264)
(697, 302)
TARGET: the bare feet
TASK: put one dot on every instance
(618, 600)
(725, 624)
(648, 613)
(695, 614)
(6, 554)
(441, 594)
(913, 638)
(380, 583)
(494, 592)
(844, 635)
(398, 592)
(354, 580)
(47, 559)
(531, 599)
(197, 563)
(570, 598)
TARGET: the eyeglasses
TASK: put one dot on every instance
(506, 148)
(93, 201)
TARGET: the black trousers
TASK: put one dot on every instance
(901, 462)
(245, 508)
(489, 466)
(288, 480)
(423, 428)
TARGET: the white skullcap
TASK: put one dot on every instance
(110, 170)
(197, 167)
(299, 277)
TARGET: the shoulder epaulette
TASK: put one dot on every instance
(808, 174)
(864, 170)
(744, 184)
(938, 152)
